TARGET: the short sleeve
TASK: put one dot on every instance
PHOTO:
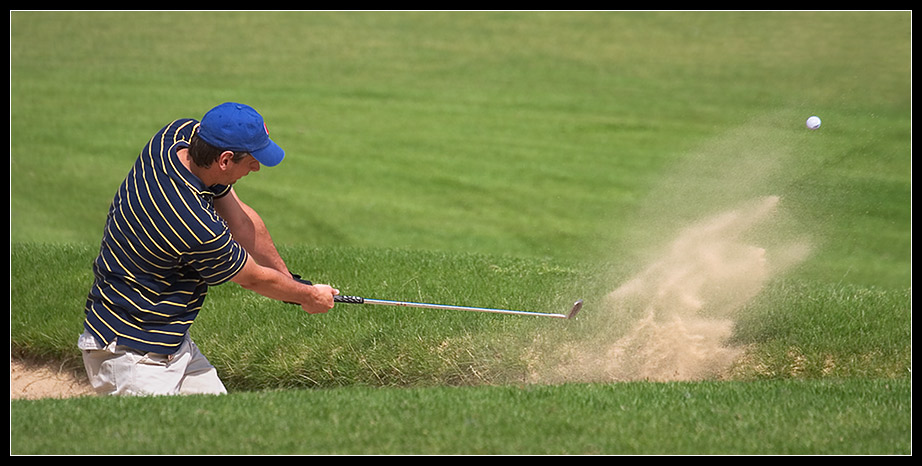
(218, 260)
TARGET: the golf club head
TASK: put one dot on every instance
(576, 307)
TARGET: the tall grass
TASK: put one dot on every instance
(260, 343)
(793, 330)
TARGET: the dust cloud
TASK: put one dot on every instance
(673, 320)
(714, 231)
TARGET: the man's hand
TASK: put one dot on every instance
(321, 299)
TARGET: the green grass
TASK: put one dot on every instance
(860, 417)
(838, 332)
(514, 133)
(497, 159)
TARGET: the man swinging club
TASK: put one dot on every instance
(175, 227)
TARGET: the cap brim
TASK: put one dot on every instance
(270, 155)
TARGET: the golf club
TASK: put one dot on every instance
(359, 300)
(382, 302)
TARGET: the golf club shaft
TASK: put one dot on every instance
(360, 300)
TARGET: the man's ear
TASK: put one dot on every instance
(225, 159)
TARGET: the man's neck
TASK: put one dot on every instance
(199, 172)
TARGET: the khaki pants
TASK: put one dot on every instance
(119, 370)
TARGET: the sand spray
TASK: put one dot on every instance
(672, 319)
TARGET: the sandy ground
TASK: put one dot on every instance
(35, 381)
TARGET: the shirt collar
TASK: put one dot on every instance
(184, 175)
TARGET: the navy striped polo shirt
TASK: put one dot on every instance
(162, 246)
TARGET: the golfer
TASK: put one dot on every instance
(175, 227)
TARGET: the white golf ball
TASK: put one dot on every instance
(813, 122)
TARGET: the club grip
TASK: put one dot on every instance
(337, 299)
(344, 300)
(348, 299)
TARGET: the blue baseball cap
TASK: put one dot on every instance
(238, 127)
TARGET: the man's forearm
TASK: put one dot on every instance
(272, 284)
(281, 286)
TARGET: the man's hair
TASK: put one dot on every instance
(204, 154)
